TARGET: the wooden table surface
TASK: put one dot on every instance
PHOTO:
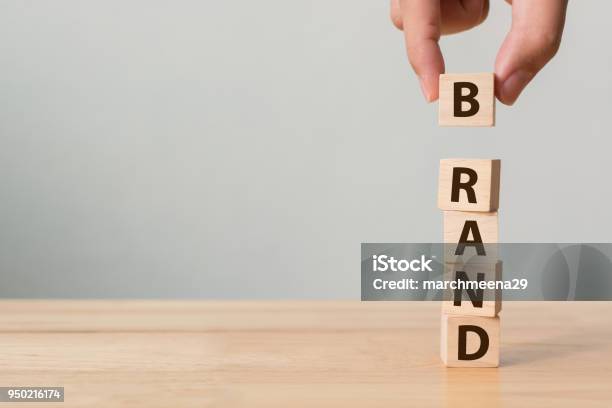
(298, 354)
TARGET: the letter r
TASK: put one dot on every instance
(457, 185)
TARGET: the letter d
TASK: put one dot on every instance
(484, 342)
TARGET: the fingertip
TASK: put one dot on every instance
(509, 89)
(396, 15)
(430, 87)
(428, 63)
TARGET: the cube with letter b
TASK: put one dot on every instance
(467, 100)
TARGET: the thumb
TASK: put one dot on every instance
(535, 36)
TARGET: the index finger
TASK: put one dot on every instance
(421, 22)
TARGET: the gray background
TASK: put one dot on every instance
(242, 149)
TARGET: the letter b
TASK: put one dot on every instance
(469, 97)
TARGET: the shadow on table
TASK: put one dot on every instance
(550, 348)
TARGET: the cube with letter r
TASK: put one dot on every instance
(469, 185)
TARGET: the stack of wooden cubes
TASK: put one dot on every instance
(468, 194)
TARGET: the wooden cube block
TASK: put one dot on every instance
(467, 100)
(473, 302)
(470, 237)
(470, 341)
(469, 185)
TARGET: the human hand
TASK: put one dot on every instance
(535, 36)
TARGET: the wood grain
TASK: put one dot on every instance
(298, 354)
